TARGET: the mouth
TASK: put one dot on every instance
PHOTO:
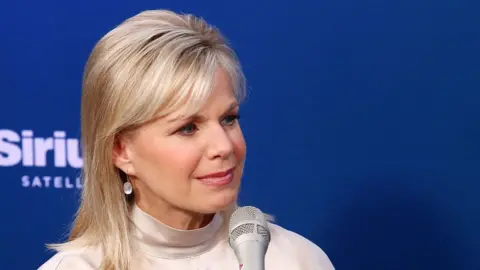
(218, 178)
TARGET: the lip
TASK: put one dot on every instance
(217, 179)
(217, 174)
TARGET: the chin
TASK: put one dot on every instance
(219, 202)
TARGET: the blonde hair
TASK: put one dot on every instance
(148, 66)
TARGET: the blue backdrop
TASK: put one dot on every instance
(362, 124)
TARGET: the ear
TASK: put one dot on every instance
(122, 155)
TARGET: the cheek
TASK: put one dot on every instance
(169, 159)
(179, 159)
(239, 145)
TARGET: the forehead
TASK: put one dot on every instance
(221, 97)
(223, 92)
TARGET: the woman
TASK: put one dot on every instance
(164, 154)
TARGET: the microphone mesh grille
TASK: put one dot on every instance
(264, 233)
(242, 229)
(240, 223)
(246, 213)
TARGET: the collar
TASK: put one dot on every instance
(159, 240)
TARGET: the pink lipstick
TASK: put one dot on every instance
(217, 179)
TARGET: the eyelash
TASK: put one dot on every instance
(233, 118)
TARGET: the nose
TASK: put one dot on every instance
(220, 144)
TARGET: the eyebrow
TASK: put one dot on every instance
(199, 117)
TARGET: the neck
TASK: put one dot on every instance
(173, 217)
(155, 238)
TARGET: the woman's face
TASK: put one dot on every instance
(192, 165)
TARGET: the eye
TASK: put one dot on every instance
(230, 119)
(188, 129)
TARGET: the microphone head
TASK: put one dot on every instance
(248, 223)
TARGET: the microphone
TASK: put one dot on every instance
(249, 237)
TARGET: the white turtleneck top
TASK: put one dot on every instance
(162, 247)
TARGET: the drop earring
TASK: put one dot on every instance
(127, 186)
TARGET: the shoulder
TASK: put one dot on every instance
(298, 249)
(75, 259)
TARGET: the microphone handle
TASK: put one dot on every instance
(251, 255)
